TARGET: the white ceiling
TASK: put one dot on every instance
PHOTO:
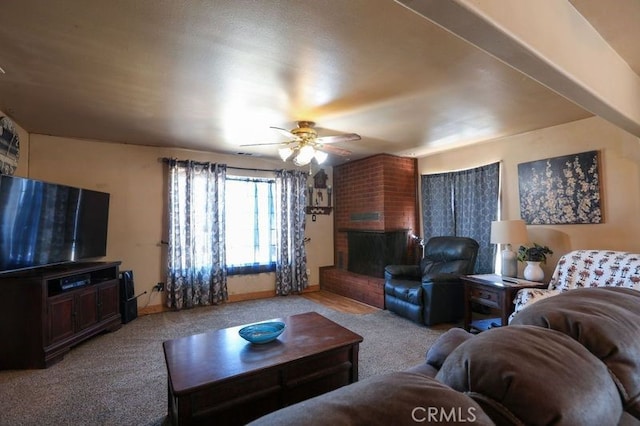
(213, 75)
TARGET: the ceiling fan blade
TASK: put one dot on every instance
(335, 150)
(339, 138)
(268, 143)
(284, 132)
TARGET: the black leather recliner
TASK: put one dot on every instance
(432, 292)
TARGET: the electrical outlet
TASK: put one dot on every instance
(308, 272)
(158, 287)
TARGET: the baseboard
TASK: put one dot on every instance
(154, 309)
(251, 296)
(311, 288)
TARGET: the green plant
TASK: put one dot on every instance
(535, 253)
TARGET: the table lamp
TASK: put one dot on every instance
(508, 232)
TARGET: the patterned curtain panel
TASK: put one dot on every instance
(437, 205)
(463, 204)
(291, 264)
(196, 272)
(476, 194)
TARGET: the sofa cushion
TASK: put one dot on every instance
(445, 344)
(604, 320)
(401, 398)
(424, 369)
(524, 374)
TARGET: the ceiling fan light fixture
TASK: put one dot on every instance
(305, 145)
(305, 155)
(285, 153)
(320, 156)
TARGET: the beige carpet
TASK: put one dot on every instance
(120, 378)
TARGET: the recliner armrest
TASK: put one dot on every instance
(411, 272)
(441, 277)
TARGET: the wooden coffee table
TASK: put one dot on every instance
(220, 377)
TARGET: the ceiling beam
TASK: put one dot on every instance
(549, 41)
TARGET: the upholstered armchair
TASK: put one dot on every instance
(432, 292)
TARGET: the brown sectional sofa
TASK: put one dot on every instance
(573, 359)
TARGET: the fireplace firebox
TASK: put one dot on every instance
(370, 251)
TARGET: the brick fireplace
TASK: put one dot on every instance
(375, 210)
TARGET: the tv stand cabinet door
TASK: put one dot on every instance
(86, 308)
(61, 317)
(108, 300)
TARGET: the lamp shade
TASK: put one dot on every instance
(321, 156)
(304, 156)
(509, 232)
(285, 153)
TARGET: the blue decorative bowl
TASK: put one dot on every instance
(264, 332)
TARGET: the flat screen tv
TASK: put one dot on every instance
(45, 224)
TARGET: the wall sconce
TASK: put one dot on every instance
(310, 195)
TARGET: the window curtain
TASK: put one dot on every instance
(291, 260)
(196, 272)
(463, 203)
(437, 205)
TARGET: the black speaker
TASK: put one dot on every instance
(128, 301)
(127, 291)
(129, 310)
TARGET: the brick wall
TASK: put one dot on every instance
(377, 193)
(363, 288)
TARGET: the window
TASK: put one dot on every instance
(250, 225)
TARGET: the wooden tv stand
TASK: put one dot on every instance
(47, 311)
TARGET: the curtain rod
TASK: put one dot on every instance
(501, 162)
(203, 163)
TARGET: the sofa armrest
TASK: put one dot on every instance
(409, 272)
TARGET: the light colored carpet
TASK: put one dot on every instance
(120, 378)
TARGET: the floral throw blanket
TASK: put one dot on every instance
(586, 268)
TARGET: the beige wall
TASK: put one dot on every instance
(620, 181)
(135, 178)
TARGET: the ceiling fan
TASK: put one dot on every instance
(305, 145)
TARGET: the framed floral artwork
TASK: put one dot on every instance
(561, 190)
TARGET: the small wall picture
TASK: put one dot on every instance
(561, 190)
(9, 147)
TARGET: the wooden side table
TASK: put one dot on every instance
(494, 292)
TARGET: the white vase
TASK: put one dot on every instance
(533, 271)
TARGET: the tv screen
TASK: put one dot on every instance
(45, 223)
